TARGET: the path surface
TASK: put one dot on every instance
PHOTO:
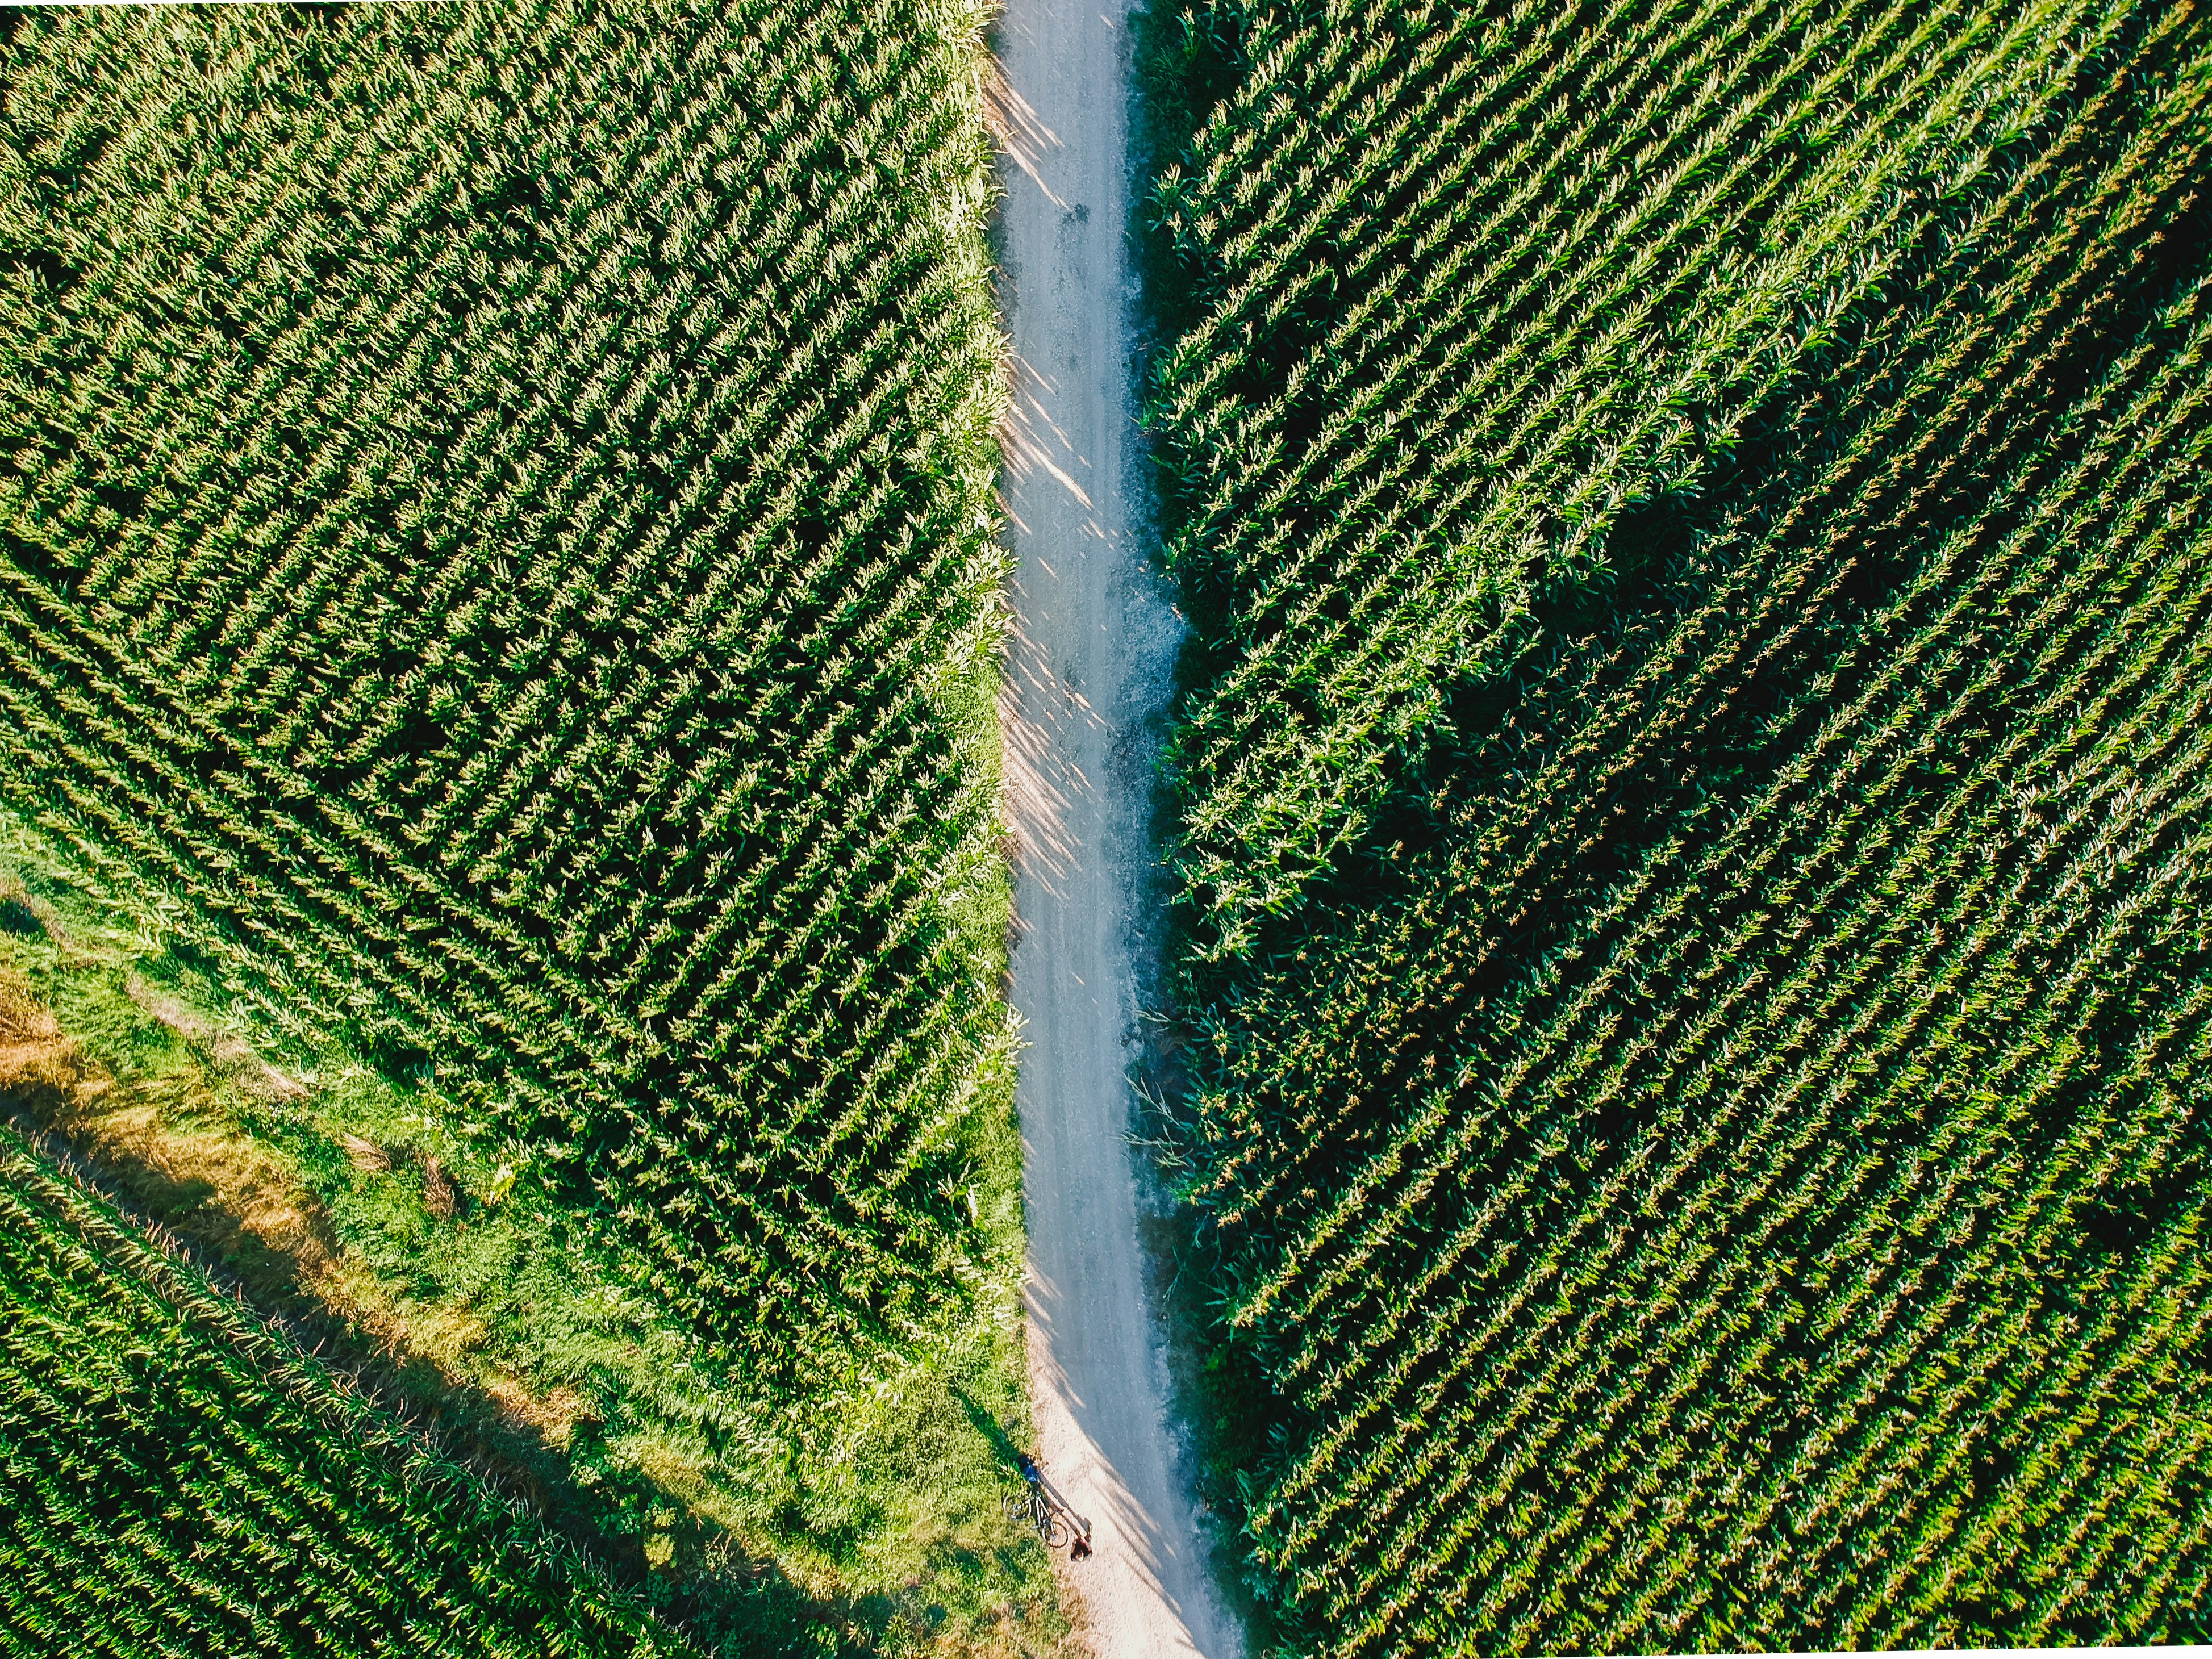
(1093, 651)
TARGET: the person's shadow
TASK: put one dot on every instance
(1008, 1454)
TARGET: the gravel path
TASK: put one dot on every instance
(1094, 647)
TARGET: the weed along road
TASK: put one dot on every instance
(1092, 654)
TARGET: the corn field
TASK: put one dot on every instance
(1693, 833)
(498, 536)
(178, 1478)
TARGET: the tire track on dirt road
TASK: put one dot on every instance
(1092, 659)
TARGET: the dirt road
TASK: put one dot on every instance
(1094, 646)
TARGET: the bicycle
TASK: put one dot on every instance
(1031, 1507)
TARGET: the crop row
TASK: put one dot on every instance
(1457, 438)
(177, 1477)
(1698, 1117)
(509, 550)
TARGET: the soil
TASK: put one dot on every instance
(1092, 667)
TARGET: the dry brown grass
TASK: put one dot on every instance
(38, 1064)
